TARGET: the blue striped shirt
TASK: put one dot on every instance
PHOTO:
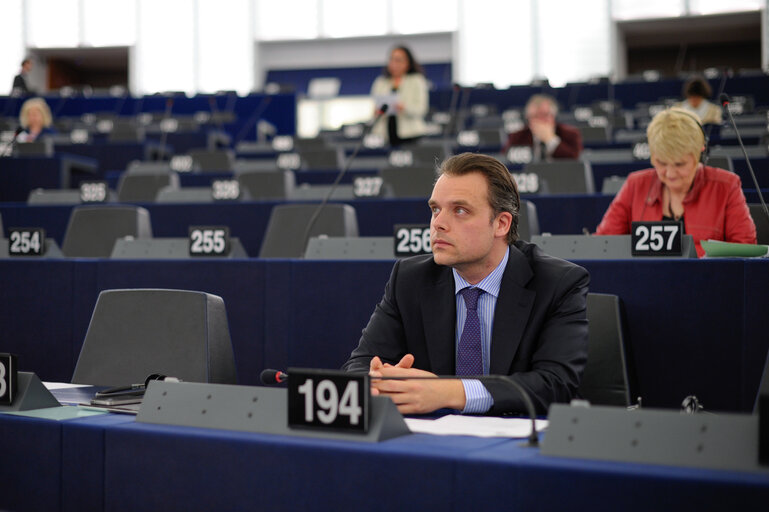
(478, 398)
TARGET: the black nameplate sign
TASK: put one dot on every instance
(659, 238)
(26, 242)
(225, 190)
(93, 192)
(209, 241)
(328, 400)
(8, 378)
(411, 239)
(367, 186)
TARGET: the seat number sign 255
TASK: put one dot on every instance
(328, 400)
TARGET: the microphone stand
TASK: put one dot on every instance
(724, 98)
(348, 163)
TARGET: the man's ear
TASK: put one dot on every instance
(503, 222)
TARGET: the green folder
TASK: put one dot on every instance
(718, 249)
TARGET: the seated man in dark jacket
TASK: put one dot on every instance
(483, 303)
(547, 138)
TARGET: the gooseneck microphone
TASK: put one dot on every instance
(271, 376)
(9, 147)
(724, 99)
(314, 217)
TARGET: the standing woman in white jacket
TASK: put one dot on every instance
(403, 77)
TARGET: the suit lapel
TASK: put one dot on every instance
(512, 311)
(439, 320)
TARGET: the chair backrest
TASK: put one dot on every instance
(92, 230)
(144, 187)
(402, 182)
(564, 176)
(528, 221)
(605, 380)
(761, 222)
(40, 147)
(612, 184)
(268, 185)
(594, 133)
(721, 161)
(319, 159)
(135, 333)
(213, 160)
(284, 237)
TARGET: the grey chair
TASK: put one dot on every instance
(285, 233)
(135, 333)
(152, 166)
(721, 161)
(761, 222)
(144, 187)
(564, 176)
(92, 230)
(267, 185)
(184, 195)
(213, 160)
(606, 379)
(320, 159)
(415, 181)
(612, 184)
(528, 221)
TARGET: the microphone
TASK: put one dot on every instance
(271, 376)
(9, 146)
(380, 112)
(164, 133)
(724, 99)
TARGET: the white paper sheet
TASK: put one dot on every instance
(479, 426)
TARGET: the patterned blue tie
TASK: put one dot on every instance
(469, 354)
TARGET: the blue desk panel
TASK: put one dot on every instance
(20, 175)
(112, 463)
(694, 327)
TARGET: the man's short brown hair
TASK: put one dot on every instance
(503, 193)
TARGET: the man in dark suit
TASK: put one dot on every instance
(529, 308)
(547, 138)
(20, 81)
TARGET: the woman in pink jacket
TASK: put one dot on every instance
(708, 200)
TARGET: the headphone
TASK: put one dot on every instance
(706, 139)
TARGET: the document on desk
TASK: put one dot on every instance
(479, 426)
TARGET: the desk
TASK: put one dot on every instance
(20, 175)
(112, 463)
(694, 327)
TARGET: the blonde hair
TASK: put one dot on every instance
(674, 133)
(41, 105)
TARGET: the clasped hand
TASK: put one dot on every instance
(415, 396)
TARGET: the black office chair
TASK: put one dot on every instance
(761, 221)
(92, 230)
(284, 237)
(606, 378)
(144, 187)
(416, 181)
(139, 332)
(268, 185)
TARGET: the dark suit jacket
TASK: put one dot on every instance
(20, 84)
(539, 334)
(570, 146)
